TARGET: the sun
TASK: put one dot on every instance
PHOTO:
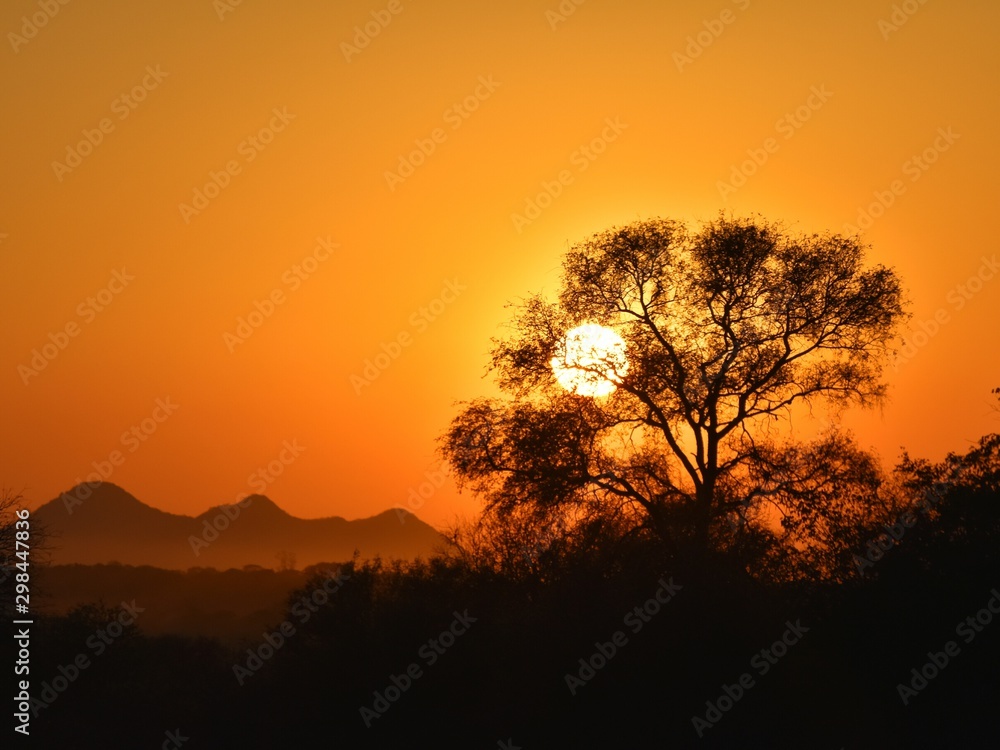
(590, 360)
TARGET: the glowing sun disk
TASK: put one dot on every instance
(590, 360)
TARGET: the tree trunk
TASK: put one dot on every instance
(704, 501)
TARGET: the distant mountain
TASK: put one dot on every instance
(101, 523)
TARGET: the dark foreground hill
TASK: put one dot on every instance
(231, 605)
(102, 523)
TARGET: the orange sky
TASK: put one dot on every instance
(615, 109)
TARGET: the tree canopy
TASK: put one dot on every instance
(725, 328)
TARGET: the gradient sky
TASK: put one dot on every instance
(537, 88)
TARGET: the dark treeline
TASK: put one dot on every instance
(482, 647)
(228, 605)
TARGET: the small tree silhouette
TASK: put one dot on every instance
(725, 329)
(34, 554)
(286, 560)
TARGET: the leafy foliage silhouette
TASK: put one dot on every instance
(726, 328)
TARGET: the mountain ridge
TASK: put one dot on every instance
(102, 522)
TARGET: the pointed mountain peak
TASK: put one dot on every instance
(259, 506)
(100, 494)
(263, 504)
(97, 500)
(106, 491)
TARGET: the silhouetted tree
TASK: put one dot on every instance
(9, 503)
(826, 499)
(286, 560)
(523, 545)
(36, 540)
(725, 329)
(956, 506)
